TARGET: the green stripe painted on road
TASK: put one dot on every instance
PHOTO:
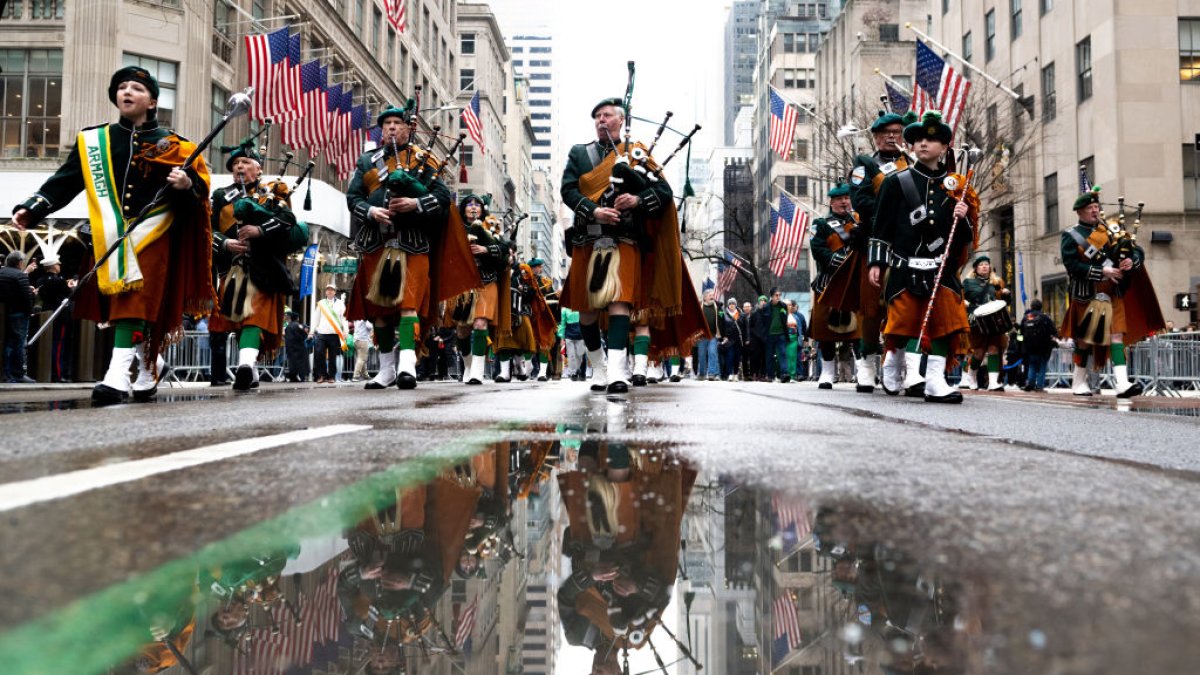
(109, 626)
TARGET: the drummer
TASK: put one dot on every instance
(987, 307)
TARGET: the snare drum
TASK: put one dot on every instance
(992, 318)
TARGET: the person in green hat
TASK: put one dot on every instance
(164, 268)
(865, 180)
(478, 311)
(254, 231)
(839, 268)
(980, 287)
(1113, 303)
(403, 222)
(611, 232)
(550, 363)
(911, 236)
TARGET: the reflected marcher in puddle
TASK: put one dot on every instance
(624, 510)
(406, 554)
(242, 584)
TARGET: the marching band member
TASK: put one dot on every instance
(980, 287)
(834, 317)
(478, 312)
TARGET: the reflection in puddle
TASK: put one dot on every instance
(86, 402)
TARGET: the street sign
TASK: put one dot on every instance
(344, 267)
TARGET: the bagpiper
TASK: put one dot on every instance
(254, 231)
(163, 269)
(476, 313)
(839, 266)
(415, 253)
(1113, 303)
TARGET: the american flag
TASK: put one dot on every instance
(292, 646)
(787, 628)
(274, 75)
(792, 516)
(899, 102)
(340, 106)
(939, 87)
(471, 120)
(783, 125)
(788, 226)
(396, 13)
(352, 143)
(311, 129)
(466, 623)
(728, 272)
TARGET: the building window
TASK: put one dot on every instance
(991, 122)
(1189, 50)
(14, 9)
(1083, 69)
(1191, 178)
(539, 104)
(542, 156)
(541, 90)
(32, 96)
(467, 43)
(518, 50)
(467, 155)
(799, 78)
(539, 76)
(1045, 6)
(518, 63)
(165, 73)
(539, 116)
(989, 38)
(889, 32)
(945, 7)
(539, 50)
(1050, 194)
(1089, 167)
(797, 185)
(544, 63)
(42, 9)
(392, 53)
(968, 52)
(466, 79)
(216, 112)
(376, 29)
(1015, 7)
(1049, 94)
(360, 16)
(800, 152)
(258, 9)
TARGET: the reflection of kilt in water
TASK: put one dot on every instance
(520, 340)
(575, 287)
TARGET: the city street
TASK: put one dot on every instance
(1045, 533)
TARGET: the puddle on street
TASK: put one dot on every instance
(574, 553)
(8, 408)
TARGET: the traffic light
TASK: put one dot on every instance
(1184, 302)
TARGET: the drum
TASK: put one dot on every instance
(992, 318)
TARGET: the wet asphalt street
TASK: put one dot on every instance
(1070, 528)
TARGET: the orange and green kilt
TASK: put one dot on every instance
(487, 302)
(414, 296)
(575, 287)
(948, 319)
(266, 313)
(519, 340)
(1077, 312)
(819, 326)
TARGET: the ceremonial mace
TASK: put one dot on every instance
(238, 105)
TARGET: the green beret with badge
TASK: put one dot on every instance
(614, 101)
(405, 114)
(884, 120)
(1087, 199)
(839, 190)
(931, 127)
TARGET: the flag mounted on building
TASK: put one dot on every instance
(466, 624)
(473, 123)
(397, 13)
(896, 98)
(783, 124)
(937, 86)
(274, 75)
(788, 226)
(311, 129)
(787, 629)
(727, 274)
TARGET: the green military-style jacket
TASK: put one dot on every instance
(1085, 272)
(863, 188)
(895, 240)
(828, 261)
(579, 163)
(977, 292)
(367, 190)
(282, 234)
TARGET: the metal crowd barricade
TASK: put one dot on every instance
(1165, 365)
(191, 358)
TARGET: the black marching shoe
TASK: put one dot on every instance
(1134, 389)
(102, 394)
(675, 378)
(916, 391)
(638, 380)
(825, 385)
(864, 388)
(144, 396)
(243, 378)
(406, 381)
(618, 387)
(952, 397)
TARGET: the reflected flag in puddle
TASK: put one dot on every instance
(787, 629)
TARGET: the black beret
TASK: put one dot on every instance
(136, 74)
(614, 101)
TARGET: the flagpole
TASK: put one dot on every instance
(801, 202)
(968, 64)
(807, 109)
(897, 85)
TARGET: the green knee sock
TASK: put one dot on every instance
(125, 330)
(618, 332)
(1116, 352)
(479, 342)
(939, 347)
(641, 345)
(543, 357)
(974, 363)
(1081, 356)
(676, 361)
(409, 327)
(251, 338)
(993, 363)
(913, 346)
(385, 336)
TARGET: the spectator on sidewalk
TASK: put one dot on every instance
(760, 326)
(707, 365)
(732, 340)
(744, 326)
(16, 294)
(362, 348)
(52, 289)
(295, 342)
(329, 330)
(1038, 334)
(776, 322)
(572, 337)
